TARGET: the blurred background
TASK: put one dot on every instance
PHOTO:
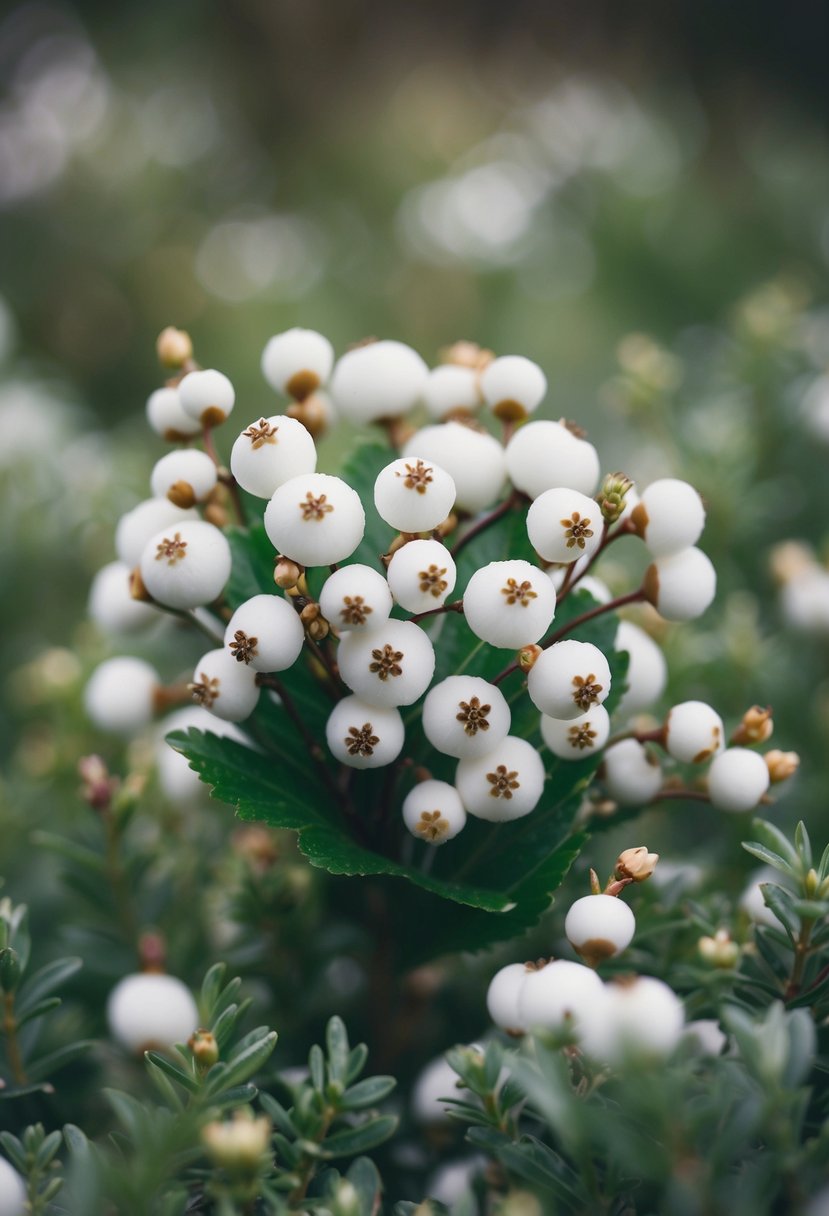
(635, 196)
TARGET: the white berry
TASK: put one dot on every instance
(315, 519)
(136, 527)
(185, 476)
(737, 779)
(266, 633)
(693, 732)
(176, 778)
(647, 672)
(465, 716)
(631, 776)
(364, 736)
(297, 362)
(151, 1011)
(577, 738)
(503, 995)
(380, 380)
(120, 696)
(474, 460)
(513, 386)
(506, 783)
(681, 586)
(207, 396)
(356, 597)
(640, 1018)
(564, 525)
(599, 926)
(449, 388)
(12, 1191)
(390, 664)
(433, 812)
(111, 604)
(544, 455)
(669, 516)
(167, 418)
(187, 566)
(509, 604)
(413, 494)
(568, 679)
(227, 688)
(558, 996)
(422, 575)
(270, 452)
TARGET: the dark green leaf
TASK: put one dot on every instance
(336, 1042)
(360, 1139)
(156, 1060)
(367, 1093)
(243, 1066)
(43, 982)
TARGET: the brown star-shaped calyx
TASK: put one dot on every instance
(586, 691)
(417, 476)
(243, 647)
(577, 529)
(519, 593)
(361, 741)
(173, 550)
(503, 782)
(261, 432)
(315, 508)
(473, 715)
(386, 662)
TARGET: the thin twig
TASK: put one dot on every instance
(486, 521)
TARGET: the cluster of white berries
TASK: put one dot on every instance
(373, 629)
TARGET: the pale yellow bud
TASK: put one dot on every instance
(528, 656)
(719, 950)
(636, 864)
(789, 559)
(781, 765)
(174, 347)
(286, 574)
(467, 354)
(755, 727)
(237, 1144)
(205, 1049)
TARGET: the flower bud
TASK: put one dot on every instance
(98, 787)
(205, 1049)
(237, 1144)
(781, 765)
(612, 496)
(528, 656)
(286, 574)
(756, 726)
(467, 354)
(636, 864)
(719, 950)
(174, 347)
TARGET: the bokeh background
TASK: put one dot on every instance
(634, 196)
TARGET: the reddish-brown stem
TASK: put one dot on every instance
(641, 736)
(228, 480)
(327, 661)
(210, 447)
(681, 794)
(455, 606)
(486, 521)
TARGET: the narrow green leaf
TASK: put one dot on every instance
(336, 1041)
(49, 1064)
(239, 1095)
(359, 1139)
(279, 1116)
(771, 836)
(768, 856)
(165, 1065)
(367, 1093)
(803, 845)
(14, 1151)
(72, 851)
(316, 1067)
(43, 982)
(356, 1062)
(244, 1066)
(38, 1011)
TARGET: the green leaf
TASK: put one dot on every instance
(43, 982)
(38, 1011)
(241, 1067)
(336, 1042)
(359, 1139)
(803, 845)
(770, 836)
(160, 1062)
(316, 1067)
(367, 1093)
(768, 856)
(279, 1116)
(49, 1064)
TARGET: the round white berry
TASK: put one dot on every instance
(437, 1081)
(207, 396)
(364, 736)
(693, 732)
(151, 1011)
(186, 566)
(185, 476)
(752, 901)
(513, 386)
(544, 455)
(504, 784)
(597, 589)
(315, 519)
(681, 586)
(568, 679)
(433, 812)
(270, 452)
(141, 523)
(226, 688)
(422, 575)
(12, 1191)
(556, 996)
(111, 604)
(167, 418)
(564, 525)
(630, 773)
(641, 1017)
(503, 996)
(413, 495)
(120, 696)
(266, 633)
(804, 600)
(390, 664)
(737, 779)
(356, 597)
(647, 672)
(509, 604)
(706, 1036)
(577, 738)
(669, 516)
(297, 362)
(177, 779)
(599, 926)
(465, 716)
(380, 380)
(449, 388)
(474, 460)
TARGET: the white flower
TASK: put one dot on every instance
(12, 1191)
(167, 418)
(186, 566)
(647, 672)
(185, 476)
(449, 388)
(544, 455)
(433, 812)
(315, 519)
(413, 494)
(639, 1018)
(150, 1010)
(564, 525)
(465, 716)
(355, 597)
(509, 604)
(576, 738)
(121, 694)
(669, 516)
(599, 926)
(513, 386)
(390, 664)
(422, 575)
(631, 776)
(297, 362)
(364, 736)
(568, 679)
(111, 604)
(270, 452)
(504, 784)
(472, 458)
(227, 688)
(266, 633)
(558, 995)
(681, 586)
(380, 380)
(693, 732)
(207, 396)
(737, 779)
(141, 523)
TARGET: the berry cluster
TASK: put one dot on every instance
(371, 626)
